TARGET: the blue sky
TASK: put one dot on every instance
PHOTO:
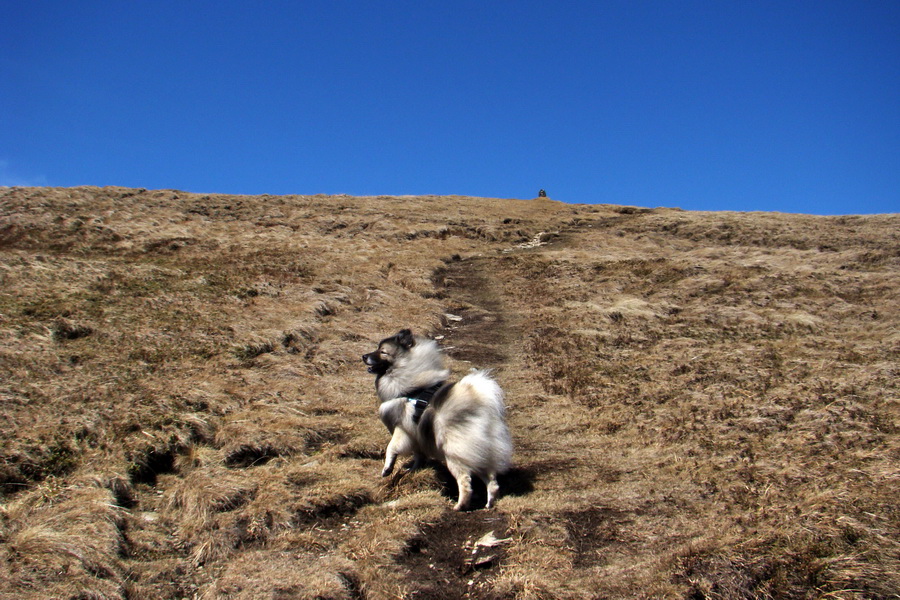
(708, 105)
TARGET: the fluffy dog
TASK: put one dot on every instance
(462, 424)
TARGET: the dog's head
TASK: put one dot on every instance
(389, 350)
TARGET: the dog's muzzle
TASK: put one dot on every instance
(375, 366)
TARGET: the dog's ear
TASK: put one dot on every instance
(405, 339)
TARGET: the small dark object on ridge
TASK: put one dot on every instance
(542, 194)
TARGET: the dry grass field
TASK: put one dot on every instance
(703, 405)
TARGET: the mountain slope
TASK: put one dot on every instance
(703, 405)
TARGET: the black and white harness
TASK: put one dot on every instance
(420, 398)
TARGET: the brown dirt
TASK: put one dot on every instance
(703, 405)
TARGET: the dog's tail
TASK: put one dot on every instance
(488, 445)
(485, 388)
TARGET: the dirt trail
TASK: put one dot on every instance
(481, 331)
(478, 328)
(445, 560)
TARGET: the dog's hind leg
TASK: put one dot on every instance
(493, 488)
(463, 481)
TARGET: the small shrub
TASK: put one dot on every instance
(62, 330)
(250, 351)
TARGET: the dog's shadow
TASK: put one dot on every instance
(515, 482)
(518, 481)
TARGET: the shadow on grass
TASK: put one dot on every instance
(518, 481)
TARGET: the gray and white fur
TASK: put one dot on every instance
(463, 425)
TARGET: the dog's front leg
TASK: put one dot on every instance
(418, 461)
(401, 445)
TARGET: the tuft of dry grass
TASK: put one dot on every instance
(63, 539)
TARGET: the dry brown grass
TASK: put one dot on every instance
(704, 405)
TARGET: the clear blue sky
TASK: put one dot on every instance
(707, 105)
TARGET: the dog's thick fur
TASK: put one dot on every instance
(464, 424)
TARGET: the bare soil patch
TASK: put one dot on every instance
(445, 560)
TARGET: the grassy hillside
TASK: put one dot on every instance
(703, 405)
